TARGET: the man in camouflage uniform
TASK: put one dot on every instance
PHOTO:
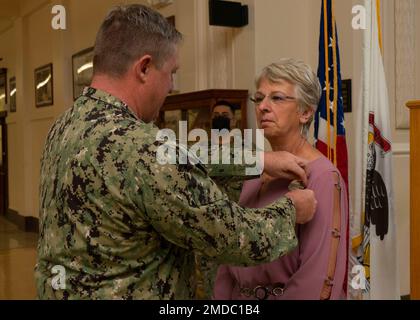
(117, 223)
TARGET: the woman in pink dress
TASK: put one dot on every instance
(287, 95)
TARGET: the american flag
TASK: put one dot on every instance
(330, 133)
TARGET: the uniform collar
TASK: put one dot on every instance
(107, 98)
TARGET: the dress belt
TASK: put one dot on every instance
(262, 292)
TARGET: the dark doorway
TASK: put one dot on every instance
(4, 194)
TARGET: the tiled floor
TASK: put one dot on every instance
(17, 261)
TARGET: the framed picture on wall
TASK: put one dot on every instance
(3, 88)
(12, 94)
(82, 65)
(44, 95)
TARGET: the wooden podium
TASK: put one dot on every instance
(414, 107)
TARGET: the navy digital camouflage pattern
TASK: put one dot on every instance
(125, 227)
(230, 180)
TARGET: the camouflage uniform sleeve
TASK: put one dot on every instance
(187, 208)
(230, 177)
(206, 271)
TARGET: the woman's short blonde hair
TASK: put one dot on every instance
(307, 87)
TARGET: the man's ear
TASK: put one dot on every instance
(142, 67)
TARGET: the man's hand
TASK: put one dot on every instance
(282, 164)
(305, 204)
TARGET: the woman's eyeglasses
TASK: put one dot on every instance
(275, 98)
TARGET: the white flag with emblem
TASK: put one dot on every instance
(373, 221)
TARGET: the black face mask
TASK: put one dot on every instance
(220, 123)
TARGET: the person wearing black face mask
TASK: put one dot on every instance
(223, 116)
(220, 123)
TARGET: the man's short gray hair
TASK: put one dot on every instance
(128, 33)
(307, 87)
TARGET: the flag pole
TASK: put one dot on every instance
(333, 27)
(327, 79)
